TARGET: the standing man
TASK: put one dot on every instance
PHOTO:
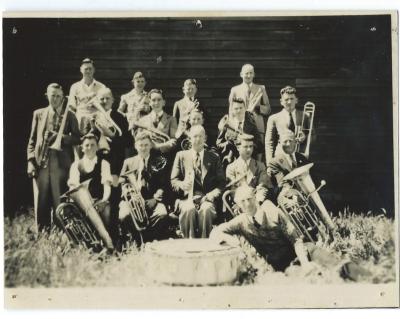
(254, 96)
(131, 104)
(48, 167)
(287, 119)
(198, 176)
(82, 93)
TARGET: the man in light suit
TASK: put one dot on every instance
(255, 97)
(50, 178)
(287, 119)
(161, 121)
(247, 170)
(198, 174)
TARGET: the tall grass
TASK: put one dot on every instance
(48, 259)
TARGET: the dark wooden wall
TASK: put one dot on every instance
(342, 64)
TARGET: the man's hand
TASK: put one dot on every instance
(31, 170)
(269, 172)
(52, 137)
(158, 195)
(301, 137)
(101, 204)
(261, 194)
(209, 197)
(186, 185)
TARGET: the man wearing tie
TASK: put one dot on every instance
(286, 161)
(287, 119)
(198, 176)
(254, 96)
(152, 184)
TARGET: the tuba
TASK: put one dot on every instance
(82, 198)
(304, 207)
(133, 197)
(309, 110)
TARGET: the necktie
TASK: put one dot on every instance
(248, 91)
(292, 127)
(240, 127)
(197, 168)
(256, 223)
(157, 120)
(294, 163)
(144, 175)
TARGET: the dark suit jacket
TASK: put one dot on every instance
(118, 144)
(280, 166)
(156, 180)
(249, 127)
(213, 177)
(278, 123)
(70, 137)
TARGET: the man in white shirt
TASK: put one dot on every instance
(82, 93)
(287, 119)
(98, 171)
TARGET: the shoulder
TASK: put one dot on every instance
(259, 165)
(277, 160)
(211, 155)
(236, 87)
(271, 211)
(75, 85)
(99, 84)
(179, 102)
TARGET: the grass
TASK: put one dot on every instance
(48, 260)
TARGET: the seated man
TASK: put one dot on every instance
(198, 174)
(91, 167)
(160, 121)
(288, 119)
(287, 160)
(245, 170)
(230, 126)
(275, 238)
(151, 181)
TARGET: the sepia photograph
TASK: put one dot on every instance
(200, 160)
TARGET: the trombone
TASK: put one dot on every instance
(309, 110)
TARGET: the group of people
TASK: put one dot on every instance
(179, 175)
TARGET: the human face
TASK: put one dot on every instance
(143, 147)
(189, 90)
(55, 97)
(247, 202)
(106, 100)
(246, 149)
(198, 139)
(89, 147)
(289, 101)
(139, 83)
(87, 70)
(157, 102)
(247, 75)
(238, 110)
(288, 145)
(196, 119)
(145, 105)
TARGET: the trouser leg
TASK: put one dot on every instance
(207, 214)
(43, 211)
(188, 219)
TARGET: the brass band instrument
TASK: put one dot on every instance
(45, 150)
(309, 110)
(81, 196)
(255, 100)
(156, 136)
(303, 205)
(133, 197)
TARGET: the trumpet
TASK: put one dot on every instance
(156, 136)
(309, 110)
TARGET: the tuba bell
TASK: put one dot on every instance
(82, 198)
(133, 197)
(304, 207)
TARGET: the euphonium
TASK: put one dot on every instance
(81, 196)
(156, 136)
(303, 205)
(133, 197)
(309, 110)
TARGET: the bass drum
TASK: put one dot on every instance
(191, 262)
(77, 227)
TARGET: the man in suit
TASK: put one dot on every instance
(246, 170)
(199, 175)
(254, 96)
(118, 138)
(50, 176)
(152, 184)
(287, 119)
(82, 92)
(286, 161)
(161, 121)
(239, 121)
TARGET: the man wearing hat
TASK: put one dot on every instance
(82, 93)
(135, 103)
(47, 167)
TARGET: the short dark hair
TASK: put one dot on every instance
(190, 81)
(238, 100)
(158, 91)
(288, 90)
(142, 136)
(87, 61)
(89, 136)
(54, 86)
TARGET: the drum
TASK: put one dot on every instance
(191, 262)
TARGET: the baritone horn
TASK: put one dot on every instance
(308, 111)
(156, 136)
(302, 204)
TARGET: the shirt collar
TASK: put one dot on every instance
(243, 162)
(94, 82)
(92, 161)
(157, 115)
(201, 154)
